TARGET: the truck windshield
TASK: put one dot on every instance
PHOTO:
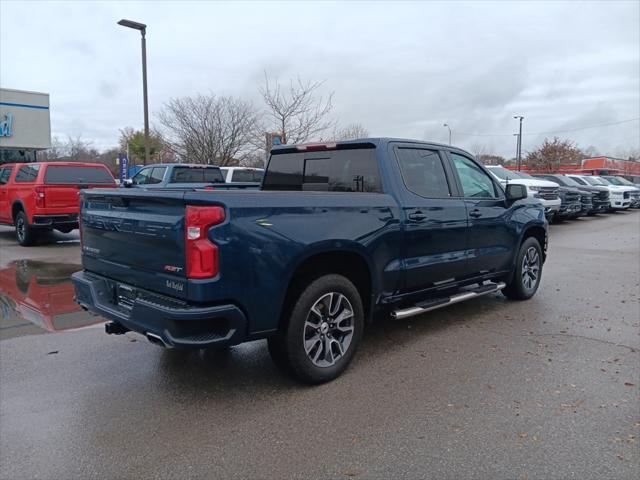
(350, 170)
(579, 180)
(59, 174)
(623, 182)
(569, 181)
(196, 175)
(593, 181)
(504, 174)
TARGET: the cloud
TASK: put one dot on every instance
(400, 69)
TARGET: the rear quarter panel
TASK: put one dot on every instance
(268, 234)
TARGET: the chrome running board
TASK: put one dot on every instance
(423, 307)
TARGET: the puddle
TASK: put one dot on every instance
(37, 297)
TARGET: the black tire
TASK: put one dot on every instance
(519, 287)
(335, 340)
(25, 235)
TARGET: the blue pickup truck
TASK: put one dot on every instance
(183, 176)
(337, 235)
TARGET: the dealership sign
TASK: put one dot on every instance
(6, 126)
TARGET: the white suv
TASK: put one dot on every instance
(619, 197)
(543, 190)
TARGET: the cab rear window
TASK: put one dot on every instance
(76, 175)
(352, 170)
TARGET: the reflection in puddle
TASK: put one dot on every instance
(38, 296)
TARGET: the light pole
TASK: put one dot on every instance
(143, 30)
(447, 125)
(519, 117)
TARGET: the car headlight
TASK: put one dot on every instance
(534, 189)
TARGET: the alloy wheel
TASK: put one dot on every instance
(328, 329)
(530, 268)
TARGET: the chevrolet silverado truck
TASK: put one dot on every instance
(619, 197)
(594, 199)
(545, 191)
(338, 234)
(39, 197)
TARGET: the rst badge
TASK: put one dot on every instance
(172, 269)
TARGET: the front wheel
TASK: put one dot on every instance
(528, 271)
(322, 332)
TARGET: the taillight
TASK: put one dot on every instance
(202, 255)
(40, 197)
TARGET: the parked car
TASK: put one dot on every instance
(39, 197)
(619, 197)
(545, 191)
(338, 234)
(176, 176)
(634, 195)
(594, 199)
(242, 174)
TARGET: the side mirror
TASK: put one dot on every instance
(127, 182)
(516, 192)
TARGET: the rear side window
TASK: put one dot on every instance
(423, 172)
(27, 174)
(246, 175)
(62, 174)
(196, 175)
(5, 173)
(354, 170)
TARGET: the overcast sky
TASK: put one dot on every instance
(399, 69)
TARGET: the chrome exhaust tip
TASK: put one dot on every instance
(156, 340)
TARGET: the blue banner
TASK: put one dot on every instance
(124, 163)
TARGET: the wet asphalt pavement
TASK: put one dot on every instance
(490, 388)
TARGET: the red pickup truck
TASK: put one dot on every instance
(38, 197)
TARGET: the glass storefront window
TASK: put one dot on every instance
(11, 155)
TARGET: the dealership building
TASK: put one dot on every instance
(25, 125)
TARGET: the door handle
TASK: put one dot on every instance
(417, 216)
(475, 213)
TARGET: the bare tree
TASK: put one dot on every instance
(209, 129)
(351, 132)
(79, 150)
(489, 159)
(298, 111)
(55, 153)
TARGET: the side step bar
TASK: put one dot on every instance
(446, 301)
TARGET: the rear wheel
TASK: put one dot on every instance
(24, 233)
(322, 332)
(528, 271)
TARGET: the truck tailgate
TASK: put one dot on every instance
(136, 237)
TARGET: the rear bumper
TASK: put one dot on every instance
(55, 221)
(176, 323)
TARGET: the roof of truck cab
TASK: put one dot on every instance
(56, 164)
(188, 165)
(374, 140)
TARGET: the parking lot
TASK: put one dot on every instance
(490, 388)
